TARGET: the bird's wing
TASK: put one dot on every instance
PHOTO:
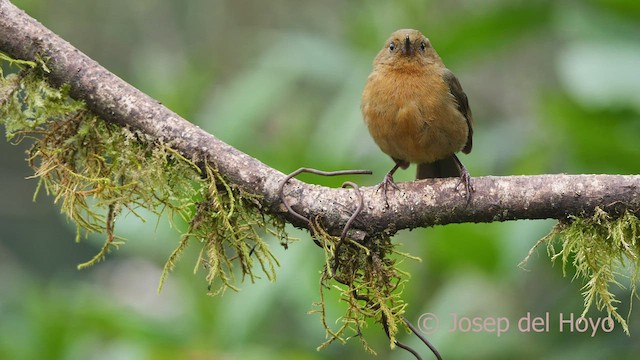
(463, 105)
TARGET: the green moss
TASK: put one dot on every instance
(228, 224)
(10, 62)
(369, 281)
(96, 170)
(601, 248)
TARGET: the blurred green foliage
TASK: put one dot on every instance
(553, 86)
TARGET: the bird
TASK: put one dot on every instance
(416, 111)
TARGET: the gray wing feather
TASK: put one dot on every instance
(463, 105)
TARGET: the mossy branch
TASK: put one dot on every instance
(145, 155)
(416, 204)
(96, 170)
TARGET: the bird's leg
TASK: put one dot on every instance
(388, 181)
(465, 179)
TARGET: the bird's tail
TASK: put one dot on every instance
(446, 167)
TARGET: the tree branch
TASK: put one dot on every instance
(415, 204)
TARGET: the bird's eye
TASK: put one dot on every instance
(392, 46)
(423, 46)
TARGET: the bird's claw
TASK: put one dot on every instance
(385, 184)
(465, 179)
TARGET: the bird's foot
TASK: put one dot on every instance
(385, 185)
(465, 179)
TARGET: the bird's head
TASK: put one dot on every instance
(406, 46)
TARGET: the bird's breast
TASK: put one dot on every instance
(413, 118)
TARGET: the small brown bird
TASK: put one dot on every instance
(416, 110)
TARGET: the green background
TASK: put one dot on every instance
(554, 87)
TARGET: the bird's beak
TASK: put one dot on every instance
(406, 49)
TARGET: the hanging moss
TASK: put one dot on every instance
(601, 249)
(228, 224)
(96, 170)
(369, 281)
